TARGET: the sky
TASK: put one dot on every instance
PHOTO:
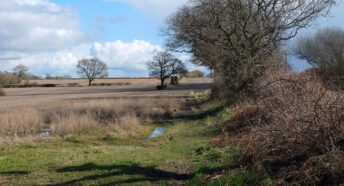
(51, 36)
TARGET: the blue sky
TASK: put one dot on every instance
(115, 20)
(50, 36)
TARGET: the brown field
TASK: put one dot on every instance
(70, 110)
(131, 81)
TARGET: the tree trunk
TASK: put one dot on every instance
(162, 83)
(89, 82)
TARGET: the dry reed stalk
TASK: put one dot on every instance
(79, 116)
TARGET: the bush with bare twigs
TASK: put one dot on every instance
(294, 131)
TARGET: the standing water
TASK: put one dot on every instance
(46, 132)
(159, 131)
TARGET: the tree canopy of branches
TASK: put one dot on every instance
(21, 71)
(237, 38)
(164, 65)
(92, 69)
(325, 52)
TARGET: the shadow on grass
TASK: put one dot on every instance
(150, 173)
(202, 115)
(14, 173)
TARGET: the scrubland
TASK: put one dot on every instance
(290, 132)
(293, 131)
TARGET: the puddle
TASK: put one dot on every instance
(158, 131)
(46, 132)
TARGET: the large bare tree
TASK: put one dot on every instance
(325, 52)
(237, 38)
(92, 69)
(164, 65)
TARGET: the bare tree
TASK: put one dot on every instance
(325, 52)
(237, 38)
(92, 69)
(21, 71)
(164, 65)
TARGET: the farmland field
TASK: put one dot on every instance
(105, 135)
(132, 88)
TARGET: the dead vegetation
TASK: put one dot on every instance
(121, 116)
(294, 131)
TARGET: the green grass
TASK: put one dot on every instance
(183, 155)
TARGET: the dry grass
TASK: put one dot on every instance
(72, 124)
(81, 116)
(73, 110)
(22, 121)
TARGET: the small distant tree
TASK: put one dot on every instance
(164, 65)
(92, 69)
(21, 71)
(48, 76)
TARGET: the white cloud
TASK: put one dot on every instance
(123, 55)
(160, 8)
(123, 59)
(37, 25)
(62, 62)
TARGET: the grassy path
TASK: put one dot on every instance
(183, 155)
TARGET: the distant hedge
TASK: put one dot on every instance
(6, 79)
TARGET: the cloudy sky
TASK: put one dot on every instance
(50, 36)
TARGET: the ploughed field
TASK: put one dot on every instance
(105, 88)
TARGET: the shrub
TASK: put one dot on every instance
(6, 79)
(159, 87)
(294, 131)
(2, 92)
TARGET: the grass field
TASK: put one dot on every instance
(184, 155)
(98, 136)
